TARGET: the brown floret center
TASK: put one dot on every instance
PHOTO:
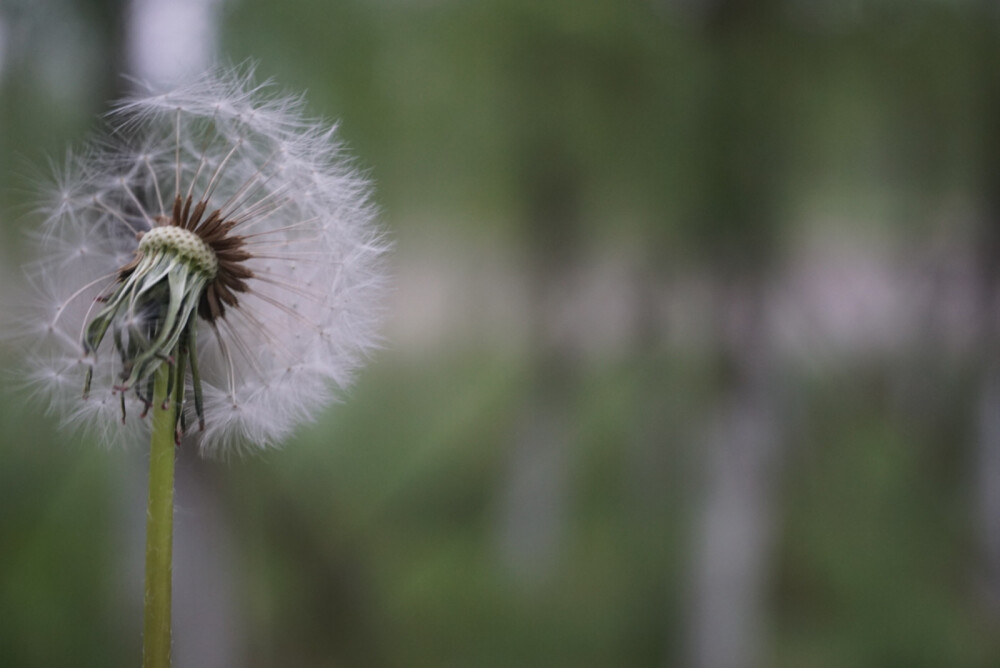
(232, 275)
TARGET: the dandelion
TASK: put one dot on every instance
(218, 230)
(209, 268)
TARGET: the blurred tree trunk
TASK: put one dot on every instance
(208, 620)
(743, 445)
(110, 18)
(743, 449)
(987, 462)
(533, 501)
(549, 186)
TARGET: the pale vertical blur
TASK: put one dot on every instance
(168, 39)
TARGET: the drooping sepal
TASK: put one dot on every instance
(151, 315)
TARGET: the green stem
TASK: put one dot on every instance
(159, 528)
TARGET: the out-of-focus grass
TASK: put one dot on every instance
(397, 492)
(62, 598)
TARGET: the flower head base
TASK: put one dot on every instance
(219, 232)
(184, 246)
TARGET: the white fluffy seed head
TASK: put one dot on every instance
(311, 309)
(182, 243)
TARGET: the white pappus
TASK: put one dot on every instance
(219, 230)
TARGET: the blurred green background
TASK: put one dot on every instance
(691, 358)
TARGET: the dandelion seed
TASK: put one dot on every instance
(216, 230)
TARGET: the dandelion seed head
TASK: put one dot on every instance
(218, 202)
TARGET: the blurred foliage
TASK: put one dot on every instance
(372, 538)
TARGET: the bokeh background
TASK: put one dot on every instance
(691, 358)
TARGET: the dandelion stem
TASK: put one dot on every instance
(159, 527)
